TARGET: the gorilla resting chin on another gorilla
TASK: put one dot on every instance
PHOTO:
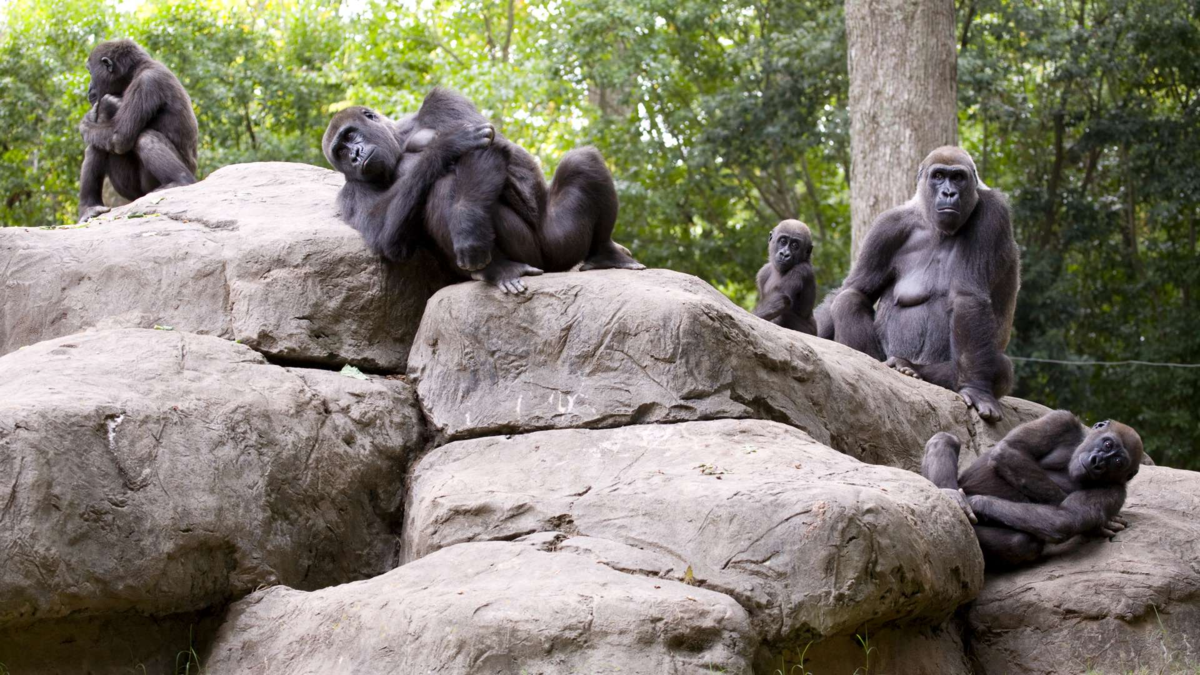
(935, 286)
(444, 175)
(1046, 481)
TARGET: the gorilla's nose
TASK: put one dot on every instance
(1096, 461)
(949, 194)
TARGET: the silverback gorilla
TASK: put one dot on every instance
(141, 133)
(935, 286)
(444, 175)
(787, 286)
(1046, 481)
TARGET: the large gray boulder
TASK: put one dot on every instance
(164, 472)
(255, 252)
(1119, 606)
(811, 542)
(487, 608)
(613, 348)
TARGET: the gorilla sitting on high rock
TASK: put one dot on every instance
(934, 288)
(445, 176)
(141, 132)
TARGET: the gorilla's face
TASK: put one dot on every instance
(790, 244)
(361, 144)
(1110, 454)
(108, 77)
(949, 194)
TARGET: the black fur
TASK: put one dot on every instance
(786, 284)
(141, 133)
(935, 286)
(444, 176)
(1046, 481)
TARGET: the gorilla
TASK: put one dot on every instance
(444, 176)
(786, 284)
(141, 132)
(1046, 481)
(934, 288)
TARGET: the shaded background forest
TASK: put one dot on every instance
(719, 119)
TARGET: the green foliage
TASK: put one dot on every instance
(719, 119)
(1087, 114)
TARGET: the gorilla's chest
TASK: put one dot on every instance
(924, 271)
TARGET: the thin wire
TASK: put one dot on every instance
(1107, 363)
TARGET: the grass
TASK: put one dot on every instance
(189, 657)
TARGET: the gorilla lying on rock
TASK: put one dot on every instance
(935, 286)
(1046, 481)
(445, 176)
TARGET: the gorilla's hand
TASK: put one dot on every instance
(99, 135)
(1113, 526)
(982, 401)
(472, 255)
(86, 214)
(469, 138)
(960, 498)
(506, 275)
(904, 367)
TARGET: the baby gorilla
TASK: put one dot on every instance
(786, 284)
(1046, 481)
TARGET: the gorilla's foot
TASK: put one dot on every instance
(982, 401)
(506, 275)
(90, 212)
(903, 366)
(612, 257)
(472, 256)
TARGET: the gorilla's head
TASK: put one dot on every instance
(947, 186)
(362, 144)
(790, 244)
(1110, 454)
(112, 65)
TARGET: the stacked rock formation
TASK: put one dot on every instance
(615, 472)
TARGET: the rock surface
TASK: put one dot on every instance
(488, 608)
(613, 348)
(164, 472)
(255, 252)
(1116, 606)
(811, 542)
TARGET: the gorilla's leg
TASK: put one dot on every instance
(940, 466)
(91, 183)
(1004, 548)
(162, 166)
(126, 174)
(581, 213)
(515, 238)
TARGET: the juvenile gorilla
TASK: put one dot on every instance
(935, 286)
(1046, 481)
(445, 175)
(141, 132)
(786, 284)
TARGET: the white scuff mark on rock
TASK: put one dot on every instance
(113, 423)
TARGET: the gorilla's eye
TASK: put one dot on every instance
(938, 175)
(1119, 461)
(794, 244)
(1108, 444)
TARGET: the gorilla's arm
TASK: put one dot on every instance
(1083, 511)
(1026, 454)
(769, 306)
(143, 99)
(988, 270)
(404, 200)
(853, 309)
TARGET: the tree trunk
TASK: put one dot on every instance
(903, 99)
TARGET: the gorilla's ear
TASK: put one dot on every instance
(108, 64)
